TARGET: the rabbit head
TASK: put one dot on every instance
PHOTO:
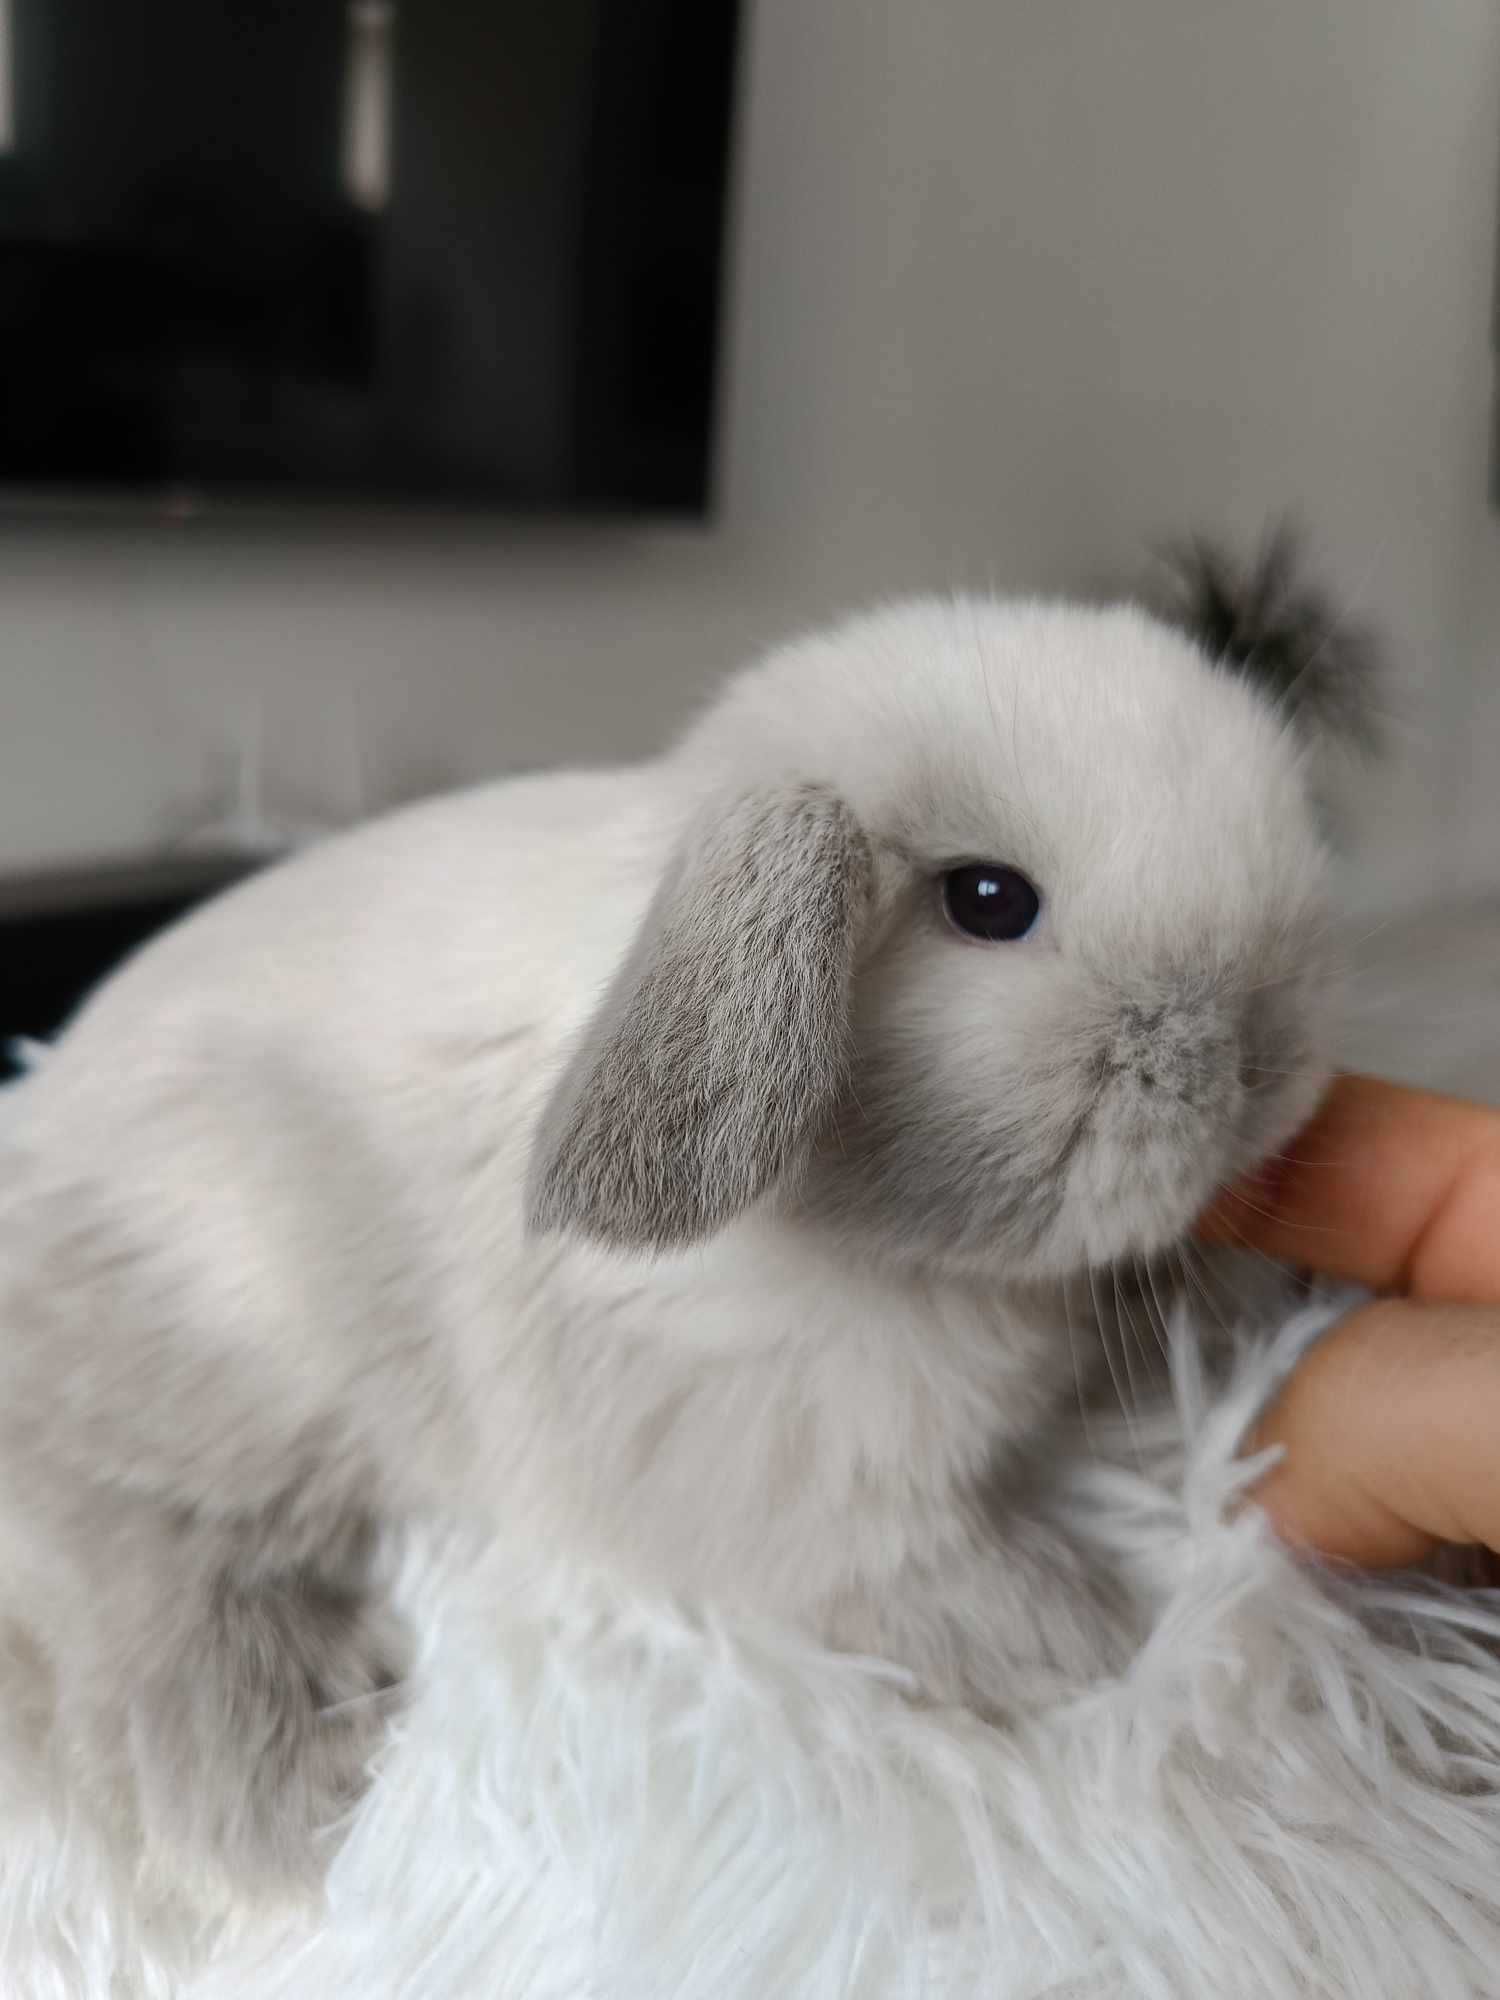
(993, 942)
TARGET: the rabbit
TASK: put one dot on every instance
(679, 1168)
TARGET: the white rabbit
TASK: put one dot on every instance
(674, 1166)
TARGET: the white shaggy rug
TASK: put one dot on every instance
(1292, 1792)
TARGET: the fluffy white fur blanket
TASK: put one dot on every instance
(1292, 1792)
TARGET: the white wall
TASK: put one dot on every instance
(1018, 286)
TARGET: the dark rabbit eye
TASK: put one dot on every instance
(990, 901)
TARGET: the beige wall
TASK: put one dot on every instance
(1018, 286)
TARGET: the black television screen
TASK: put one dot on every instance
(453, 250)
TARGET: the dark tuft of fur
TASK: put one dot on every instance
(1267, 621)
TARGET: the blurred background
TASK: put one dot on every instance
(391, 396)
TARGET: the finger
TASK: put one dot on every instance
(1391, 1188)
(1390, 1428)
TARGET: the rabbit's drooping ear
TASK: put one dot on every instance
(1267, 621)
(722, 1044)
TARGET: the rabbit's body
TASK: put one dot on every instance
(332, 1138)
(350, 1201)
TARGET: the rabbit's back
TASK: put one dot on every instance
(266, 1187)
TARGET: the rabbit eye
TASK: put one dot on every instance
(985, 899)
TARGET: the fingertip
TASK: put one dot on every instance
(1337, 1523)
(1371, 1429)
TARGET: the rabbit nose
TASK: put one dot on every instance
(1184, 1050)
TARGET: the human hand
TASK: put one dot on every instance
(1391, 1424)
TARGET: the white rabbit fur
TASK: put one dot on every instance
(783, 1329)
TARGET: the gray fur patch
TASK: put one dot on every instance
(722, 1044)
(255, 1732)
(920, 1178)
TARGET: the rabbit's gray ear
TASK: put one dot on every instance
(1267, 621)
(722, 1044)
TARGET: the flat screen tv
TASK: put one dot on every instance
(455, 251)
